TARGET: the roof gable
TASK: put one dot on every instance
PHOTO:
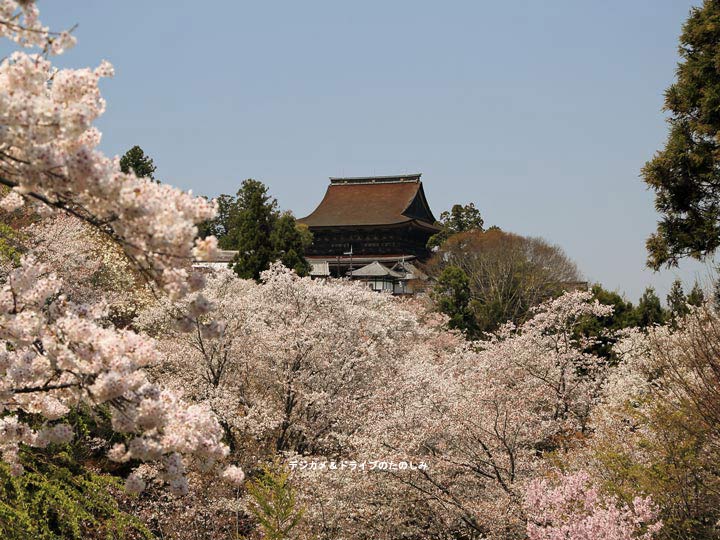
(419, 208)
(374, 269)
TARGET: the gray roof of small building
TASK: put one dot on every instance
(375, 269)
(411, 271)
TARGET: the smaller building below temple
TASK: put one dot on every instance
(401, 278)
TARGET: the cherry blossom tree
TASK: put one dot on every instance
(655, 429)
(291, 366)
(88, 263)
(332, 371)
(328, 371)
(481, 416)
(288, 363)
(57, 353)
(573, 508)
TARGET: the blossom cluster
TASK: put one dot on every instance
(254, 344)
(57, 351)
(56, 355)
(20, 22)
(574, 508)
(331, 375)
(48, 156)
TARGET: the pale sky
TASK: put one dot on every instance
(541, 113)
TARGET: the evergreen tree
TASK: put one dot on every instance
(463, 218)
(452, 296)
(696, 297)
(69, 491)
(273, 502)
(136, 161)
(458, 219)
(251, 224)
(219, 226)
(623, 315)
(603, 329)
(649, 310)
(686, 173)
(289, 244)
(677, 302)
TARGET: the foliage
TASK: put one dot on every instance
(219, 226)
(273, 503)
(57, 353)
(508, 274)
(289, 242)
(251, 224)
(696, 296)
(668, 459)
(320, 370)
(89, 264)
(9, 249)
(677, 302)
(680, 305)
(684, 174)
(656, 428)
(288, 359)
(574, 508)
(649, 310)
(295, 366)
(211, 510)
(452, 297)
(458, 219)
(603, 330)
(58, 499)
(135, 161)
(480, 417)
(367, 377)
(89, 364)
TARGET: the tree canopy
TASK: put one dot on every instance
(650, 310)
(452, 296)
(251, 224)
(685, 175)
(507, 273)
(136, 161)
(456, 220)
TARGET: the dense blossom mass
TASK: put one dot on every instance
(574, 508)
(366, 378)
(59, 353)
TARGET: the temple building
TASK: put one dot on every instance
(372, 229)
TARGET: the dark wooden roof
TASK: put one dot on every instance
(376, 200)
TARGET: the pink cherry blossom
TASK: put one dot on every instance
(573, 508)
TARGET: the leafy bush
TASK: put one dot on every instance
(58, 498)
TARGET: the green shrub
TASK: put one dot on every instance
(58, 498)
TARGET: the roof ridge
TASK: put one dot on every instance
(398, 178)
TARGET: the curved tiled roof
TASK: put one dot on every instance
(380, 200)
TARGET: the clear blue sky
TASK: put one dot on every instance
(542, 113)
